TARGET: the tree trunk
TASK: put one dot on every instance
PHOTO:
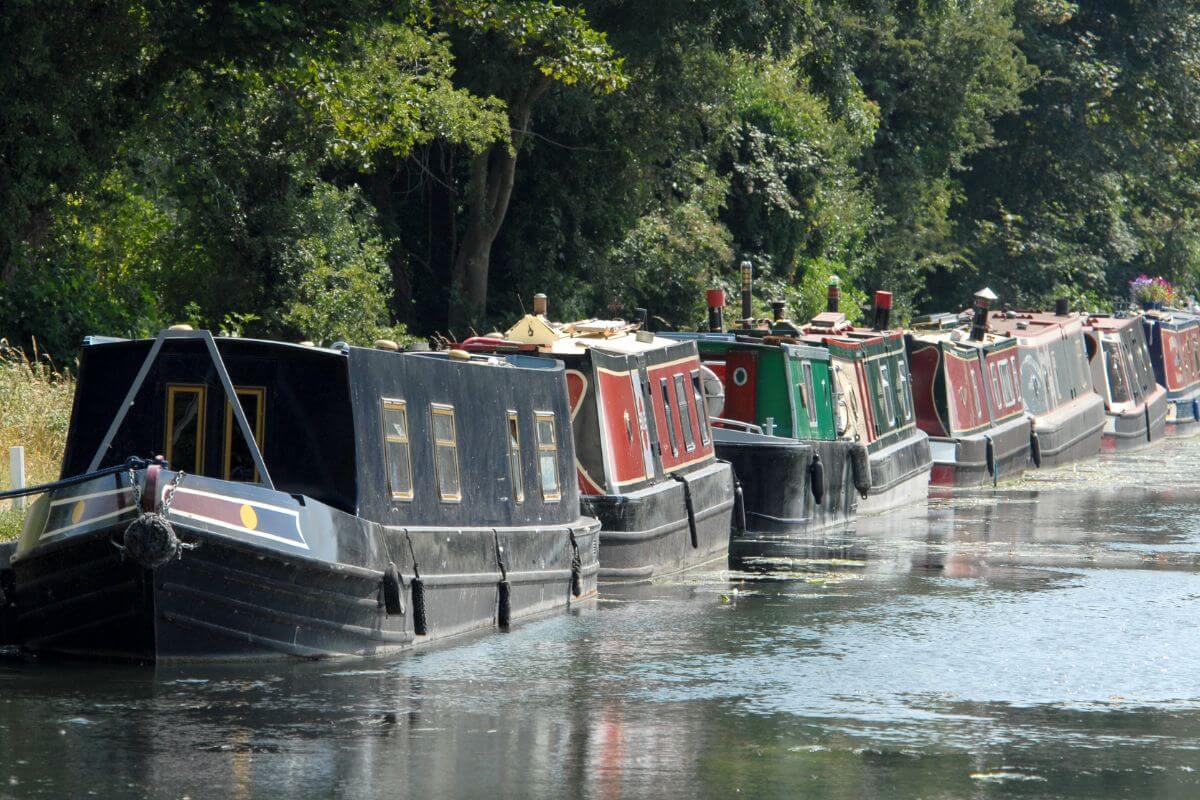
(489, 191)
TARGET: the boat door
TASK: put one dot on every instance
(741, 385)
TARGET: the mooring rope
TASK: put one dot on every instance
(133, 462)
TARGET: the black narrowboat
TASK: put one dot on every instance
(1135, 405)
(1056, 384)
(643, 442)
(875, 402)
(966, 389)
(306, 502)
(1174, 341)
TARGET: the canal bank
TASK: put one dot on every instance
(1035, 641)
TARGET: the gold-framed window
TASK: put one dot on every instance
(514, 457)
(445, 452)
(239, 464)
(397, 448)
(184, 428)
(547, 445)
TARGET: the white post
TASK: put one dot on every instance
(16, 473)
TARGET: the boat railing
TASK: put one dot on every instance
(736, 425)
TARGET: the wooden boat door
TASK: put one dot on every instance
(741, 385)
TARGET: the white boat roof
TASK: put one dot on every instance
(574, 338)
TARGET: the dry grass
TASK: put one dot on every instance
(35, 410)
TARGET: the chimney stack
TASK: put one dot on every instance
(777, 310)
(1062, 307)
(642, 316)
(834, 294)
(540, 305)
(883, 310)
(983, 298)
(747, 299)
(716, 310)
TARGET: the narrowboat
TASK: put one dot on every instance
(1135, 405)
(1056, 384)
(875, 402)
(966, 392)
(644, 453)
(304, 502)
(1174, 341)
(774, 421)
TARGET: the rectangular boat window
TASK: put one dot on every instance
(239, 464)
(977, 390)
(547, 445)
(397, 449)
(445, 452)
(810, 395)
(995, 376)
(701, 408)
(514, 457)
(685, 414)
(1006, 383)
(666, 400)
(185, 427)
(885, 388)
(905, 389)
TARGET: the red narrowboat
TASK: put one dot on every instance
(643, 441)
(1122, 374)
(1174, 341)
(966, 390)
(1056, 384)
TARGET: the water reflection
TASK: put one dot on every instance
(1036, 641)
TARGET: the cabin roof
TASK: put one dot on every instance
(1105, 323)
(1032, 324)
(576, 338)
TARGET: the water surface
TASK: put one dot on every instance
(1038, 641)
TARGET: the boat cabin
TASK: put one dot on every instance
(1173, 338)
(1122, 373)
(1053, 357)
(397, 438)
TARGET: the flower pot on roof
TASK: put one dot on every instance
(1151, 293)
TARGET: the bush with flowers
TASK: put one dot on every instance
(1153, 291)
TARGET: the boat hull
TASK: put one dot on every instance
(964, 461)
(1183, 416)
(776, 479)
(1138, 428)
(1071, 433)
(899, 475)
(232, 598)
(651, 532)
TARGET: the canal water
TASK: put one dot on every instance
(1038, 641)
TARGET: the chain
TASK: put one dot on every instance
(170, 494)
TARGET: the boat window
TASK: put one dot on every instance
(445, 452)
(239, 464)
(977, 390)
(1006, 383)
(185, 427)
(397, 449)
(810, 395)
(1118, 384)
(905, 389)
(994, 373)
(685, 414)
(666, 403)
(514, 457)
(701, 409)
(885, 387)
(547, 444)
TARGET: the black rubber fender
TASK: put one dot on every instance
(860, 468)
(816, 479)
(393, 590)
(989, 455)
(1035, 449)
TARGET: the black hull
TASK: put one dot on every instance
(964, 461)
(1069, 434)
(232, 599)
(776, 479)
(1183, 416)
(1139, 428)
(899, 475)
(651, 532)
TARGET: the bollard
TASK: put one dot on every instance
(16, 473)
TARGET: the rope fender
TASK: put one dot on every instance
(576, 567)
(504, 598)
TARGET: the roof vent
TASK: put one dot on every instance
(386, 344)
(182, 326)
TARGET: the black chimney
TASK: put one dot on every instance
(983, 299)
(777, 309)
(641, 315)
(883, 310)
(747, 299)
(716, 310)
(834, 294)
(1062, 307)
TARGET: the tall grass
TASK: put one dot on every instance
(35, 410)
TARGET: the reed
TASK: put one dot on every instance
(35, 410)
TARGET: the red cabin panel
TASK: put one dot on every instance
(741, 382)
(966, 394)
(687, 446)
(625, 440)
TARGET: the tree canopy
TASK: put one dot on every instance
(344, 170)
